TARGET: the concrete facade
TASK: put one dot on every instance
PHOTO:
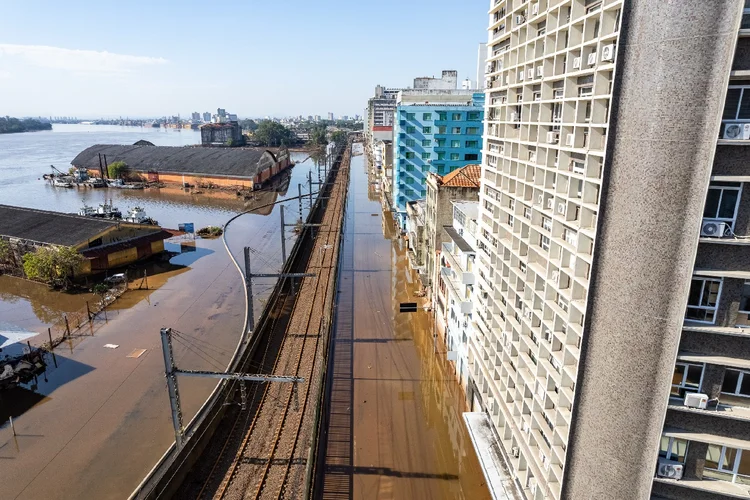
(436, 132)
(600, 135)
(447, 81)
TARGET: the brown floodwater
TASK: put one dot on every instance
(396, 429)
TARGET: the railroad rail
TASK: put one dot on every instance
(263, 450)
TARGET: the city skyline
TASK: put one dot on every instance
(143, 73)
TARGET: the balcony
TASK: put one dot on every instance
(464, 304)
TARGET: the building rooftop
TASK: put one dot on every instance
(54, 228)
(460, 242)
(467, 176)
(469, 208)
(235, 162)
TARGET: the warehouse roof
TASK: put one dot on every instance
(235, 162)
(53, 228)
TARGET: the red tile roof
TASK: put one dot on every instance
(467, 176)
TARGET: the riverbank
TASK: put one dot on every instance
(16, 126)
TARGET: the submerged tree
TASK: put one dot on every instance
(56, 266)
(117, 169)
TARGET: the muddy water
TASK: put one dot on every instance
(99, 419)
(396, 429)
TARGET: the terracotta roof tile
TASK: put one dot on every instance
(467, 176)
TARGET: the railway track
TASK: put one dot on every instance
(269, 442)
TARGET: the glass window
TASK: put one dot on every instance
(456, 116)
(427, 117)
(471, 157)
(736, 382)
(409, 155)
(703, 299)
(721, 201)
(455, 144)
(686, 378)
(426, 130)
(441, 156)
(442, 115)
(440, 143)
(737, 104)
(410, 142)
(426, 142)
(673, 448)
(472, 144)
(745, 299)
(455, 156)
(409, 116)
(456, 130)
(472, 130)
(441, 129)
(544, 242)
(411, 129)
(425, 156)
(472, 115)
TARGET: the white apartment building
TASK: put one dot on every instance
(455, 290)
(601, 132)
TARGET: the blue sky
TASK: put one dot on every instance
(279, 58)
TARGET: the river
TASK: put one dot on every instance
(99, 419)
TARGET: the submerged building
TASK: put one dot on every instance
(247, 168)
(613, 272)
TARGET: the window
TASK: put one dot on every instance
(426, 142)
(737, 104)
(442, 115)
(456, 116)
(587, 116)
(722, 201)
(472, 144)
(472, 130)
(409, 167)
(441, 129)
(472, 116)
(585, 91)
(547, 223)
(745, 299)
(411, 129)
(440, 143)
(727, 464)
(409, 155)
(426, 130)
(673, 449)
(456, 130)
(427, 117)
(409, 116)
(686, 378)
(441, 156)
(735, 383)
(471, 157)
(440, 167)
(411, 142)
(425, 156)
(544, 242)
(703, 300)
(455, 144)
(455, 156)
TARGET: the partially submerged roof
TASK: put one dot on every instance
(234, 162)
(53, 228)
(467, 176)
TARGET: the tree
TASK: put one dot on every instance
(339, 137)
(248, 124)
(56, 266)
(117, 169)
(318, 135)
(271, 133)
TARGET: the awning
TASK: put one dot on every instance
(718, 273)
(714, 360)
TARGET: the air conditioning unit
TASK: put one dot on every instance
(608, 52)
(576, 63)
(534, 9)
(561, 208)
(715, 229)
(737, 131)
(552, 137)
(669, 469)
(520, 76)
(520, 19)
(550, 203)
(547, 335)
(696, 400)
(592, 58)
(515, 452)
(570, 140)
(514, 116)
(539, 71)
(525, 427)
(528, 313)
(530, 73)
(555, 276)
(540, 199)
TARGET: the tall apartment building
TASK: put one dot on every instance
(612, 262)
(380, 112)
(448, 81)
(435, 131)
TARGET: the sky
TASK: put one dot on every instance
(103, 58)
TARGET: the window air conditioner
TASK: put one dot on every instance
(592, 58)
(696, 400)
(539, 71)
(561, 208)
(550, 203)
(608, 52)
(530, 73)
(515, 452)
(520, 19)
(737, 131)
(552, 137)
(547, 335)
(576, 63)
(520, 76)
(669, 469)
(555, 278)
(570, 140)
(514, 116)
(534, 9)
(528, 314)
(540, 199)
(715, 229)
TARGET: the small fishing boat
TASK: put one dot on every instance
(137, 215)
(104, 211)
(62, 182)
(95, 182)
(120, 184)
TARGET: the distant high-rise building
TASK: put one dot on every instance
(206, 117)
(310, 117)
(330, 116)
(466, 84)
(222, 113)
(447, 81)
(196, 117)
(317, 118)
(345, 117)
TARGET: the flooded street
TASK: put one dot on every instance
(99, 419)
(395, 428)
